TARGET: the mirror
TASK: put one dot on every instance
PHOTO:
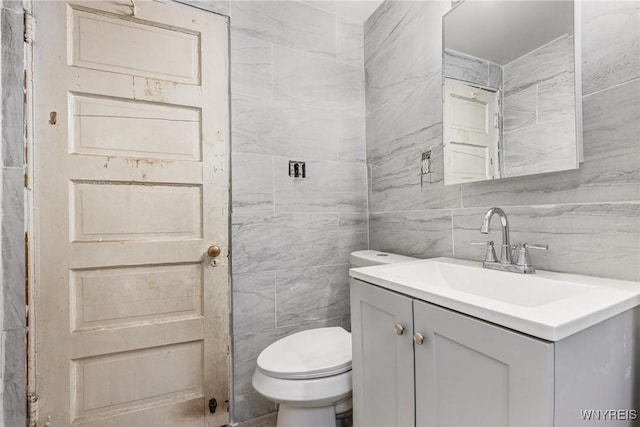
(512, 94)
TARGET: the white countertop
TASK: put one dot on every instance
(547, 305)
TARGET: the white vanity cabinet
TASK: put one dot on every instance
(465, 373)
(445, 342)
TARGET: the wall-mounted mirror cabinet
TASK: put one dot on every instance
(512, 92)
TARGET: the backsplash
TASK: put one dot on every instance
(297, 88)
(590, 217)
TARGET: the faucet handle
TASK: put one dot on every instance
(524, 260)
(490, 254)
(541, 247)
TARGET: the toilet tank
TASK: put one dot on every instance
(367, 258)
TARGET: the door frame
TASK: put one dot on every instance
(30, 30)
(29, 142)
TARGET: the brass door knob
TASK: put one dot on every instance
(213, 251)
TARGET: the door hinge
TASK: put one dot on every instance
(496, 121)
(26, 180)
(29, 28)
(32, 403)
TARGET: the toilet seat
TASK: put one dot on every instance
(310, 354)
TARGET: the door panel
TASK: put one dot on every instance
(130, 187)
(382, 359)
(132, 48)
(103, 212)
(125, 380)
(112, 296)
(469, 372)
(103, 126)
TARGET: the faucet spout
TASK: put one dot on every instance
(505, 255)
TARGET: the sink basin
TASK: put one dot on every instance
(546, 305)
(522, 290)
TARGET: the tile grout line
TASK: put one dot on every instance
(615, 86)
(453, 240)
(336, 38)
(305, 267)
(275, 299)
(537, 206)
(273, 157)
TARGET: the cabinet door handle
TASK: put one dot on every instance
(418, 338)
(399, 329)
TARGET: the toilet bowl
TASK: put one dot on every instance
(309, 373)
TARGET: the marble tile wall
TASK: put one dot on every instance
(297, 88)
(539, 114)
(590, 217)
(12, 269)
(470, 69)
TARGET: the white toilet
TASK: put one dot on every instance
(309, 373)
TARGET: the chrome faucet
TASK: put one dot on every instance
(505, 254)
(508, 252)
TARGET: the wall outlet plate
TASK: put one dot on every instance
(297, 169)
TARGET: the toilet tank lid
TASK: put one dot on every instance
(314, 353)
(367, 258)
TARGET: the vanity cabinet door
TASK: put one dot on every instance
(381, 330)
(472, 373)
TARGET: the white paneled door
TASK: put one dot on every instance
(130, 189)
(471, 134)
